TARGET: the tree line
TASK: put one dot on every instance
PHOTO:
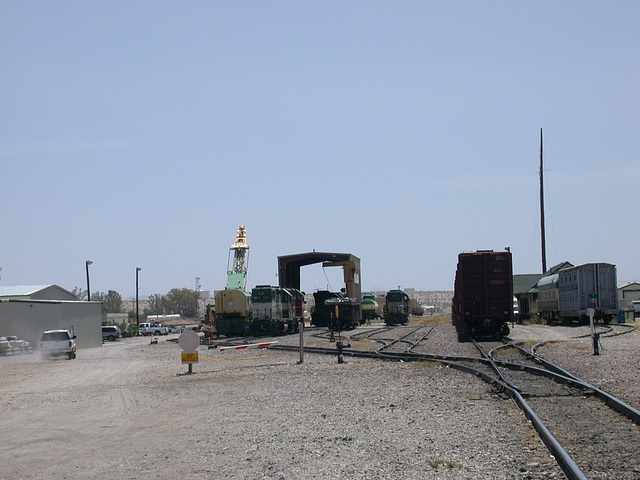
(183, 301)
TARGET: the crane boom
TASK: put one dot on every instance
(238, 259)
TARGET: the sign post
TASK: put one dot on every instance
(189, 341)
(594, 335)
(301, 330)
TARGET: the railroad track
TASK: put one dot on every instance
(569, 413)
(578, 422)
(602, 330)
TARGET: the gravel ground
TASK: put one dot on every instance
(616, 369)
(128, 410)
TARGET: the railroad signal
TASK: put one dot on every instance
(189, 341)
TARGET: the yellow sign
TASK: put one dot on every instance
(190, 357)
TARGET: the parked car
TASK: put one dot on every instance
(57, 343)
(156, 329)
(111, 332)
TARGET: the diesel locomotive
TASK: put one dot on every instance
(335, 311)
(232, 312)
(396, 308)
(267, 310)
(275, 310)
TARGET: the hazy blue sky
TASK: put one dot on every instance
(142, 133)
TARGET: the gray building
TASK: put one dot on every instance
(525, 292)
(28, 310)
(626, 293)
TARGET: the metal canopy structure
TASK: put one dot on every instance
(289, 269)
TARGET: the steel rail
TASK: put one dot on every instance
(368, 333)
(549, 370)
(605, 397)
(493, 365)
(610, 328)
(398, 340)
(564, 460)
(560, 376)
(421, 339)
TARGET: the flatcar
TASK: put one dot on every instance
(275, 310)
(335, 311)
(396, 308)
(483, 295)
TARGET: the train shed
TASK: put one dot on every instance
(289, 269)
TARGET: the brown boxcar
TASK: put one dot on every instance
(483, 295)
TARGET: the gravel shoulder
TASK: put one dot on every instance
(128, 410)
(617, 368)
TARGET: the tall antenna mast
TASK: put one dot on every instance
(542, 231)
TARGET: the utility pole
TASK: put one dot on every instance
(88, 262)
(137, 302)
(198, 297)
(542, 231)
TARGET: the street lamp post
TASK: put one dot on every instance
(88, 262)
(137, 304)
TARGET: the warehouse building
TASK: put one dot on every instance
(28, 310)
(626, 293)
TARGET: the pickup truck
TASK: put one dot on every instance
(153, 329)
(57, 343)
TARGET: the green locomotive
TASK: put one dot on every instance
(396, 308)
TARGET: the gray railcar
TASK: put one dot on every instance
(592, 285)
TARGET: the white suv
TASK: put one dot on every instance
(58, 342)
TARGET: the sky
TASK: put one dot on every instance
(143, 133)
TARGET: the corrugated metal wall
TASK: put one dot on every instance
(28, 319)
(86, 321)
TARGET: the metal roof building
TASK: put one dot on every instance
(627, 292)
(36, 292)
(28, 310)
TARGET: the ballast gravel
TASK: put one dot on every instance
(128, 410)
